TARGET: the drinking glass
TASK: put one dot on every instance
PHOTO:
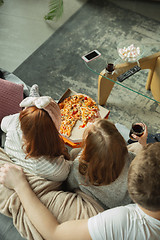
(136, 129)
(110, 66)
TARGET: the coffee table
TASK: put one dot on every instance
(150, 60)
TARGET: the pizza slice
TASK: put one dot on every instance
(89, 102)
(67, 126)
(88, 114)
(70, 114)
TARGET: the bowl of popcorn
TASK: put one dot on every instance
(130, 50)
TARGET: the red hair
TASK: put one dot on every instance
(103, 155)
(41, 137)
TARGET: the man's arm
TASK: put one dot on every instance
(13, 177)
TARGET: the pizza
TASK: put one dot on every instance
(74, 108)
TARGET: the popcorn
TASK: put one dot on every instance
(129, 53)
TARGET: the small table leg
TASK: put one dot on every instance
(155, 83)
(104, 88)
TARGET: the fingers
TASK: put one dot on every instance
(2, 173)
(146, 130)
(9, 175)
(6, 167)
(135, 136)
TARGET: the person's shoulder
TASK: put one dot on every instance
(130, 156)
(12, 116)
(75, 162)
(123, 209)
(119, 216)
(10, 120)
(112, 222)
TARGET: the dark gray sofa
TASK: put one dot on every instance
(7, 229)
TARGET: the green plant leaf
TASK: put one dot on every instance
(1, 2)
(55, 10)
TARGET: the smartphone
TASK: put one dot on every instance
(91, 56)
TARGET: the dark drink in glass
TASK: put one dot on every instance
(110, 67)
(137, 129)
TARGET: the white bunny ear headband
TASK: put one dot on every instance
(39, 102)
(46, 103)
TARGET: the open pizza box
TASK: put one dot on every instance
(75, 139)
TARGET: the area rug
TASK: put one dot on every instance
(57, 64)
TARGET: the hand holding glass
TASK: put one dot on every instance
(137, 129)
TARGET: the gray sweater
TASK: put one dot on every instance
(108, 196)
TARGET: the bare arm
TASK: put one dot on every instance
(13, 177)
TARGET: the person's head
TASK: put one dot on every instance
(144, 177)
(46, 103)
(41, 137)
(103, 154)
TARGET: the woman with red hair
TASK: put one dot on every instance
(33, 140)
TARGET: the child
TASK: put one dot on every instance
(133, 222)
(33, 141)
(101, 168)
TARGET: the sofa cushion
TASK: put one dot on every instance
(11, 94)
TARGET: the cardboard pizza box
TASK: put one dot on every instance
(76, 136)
